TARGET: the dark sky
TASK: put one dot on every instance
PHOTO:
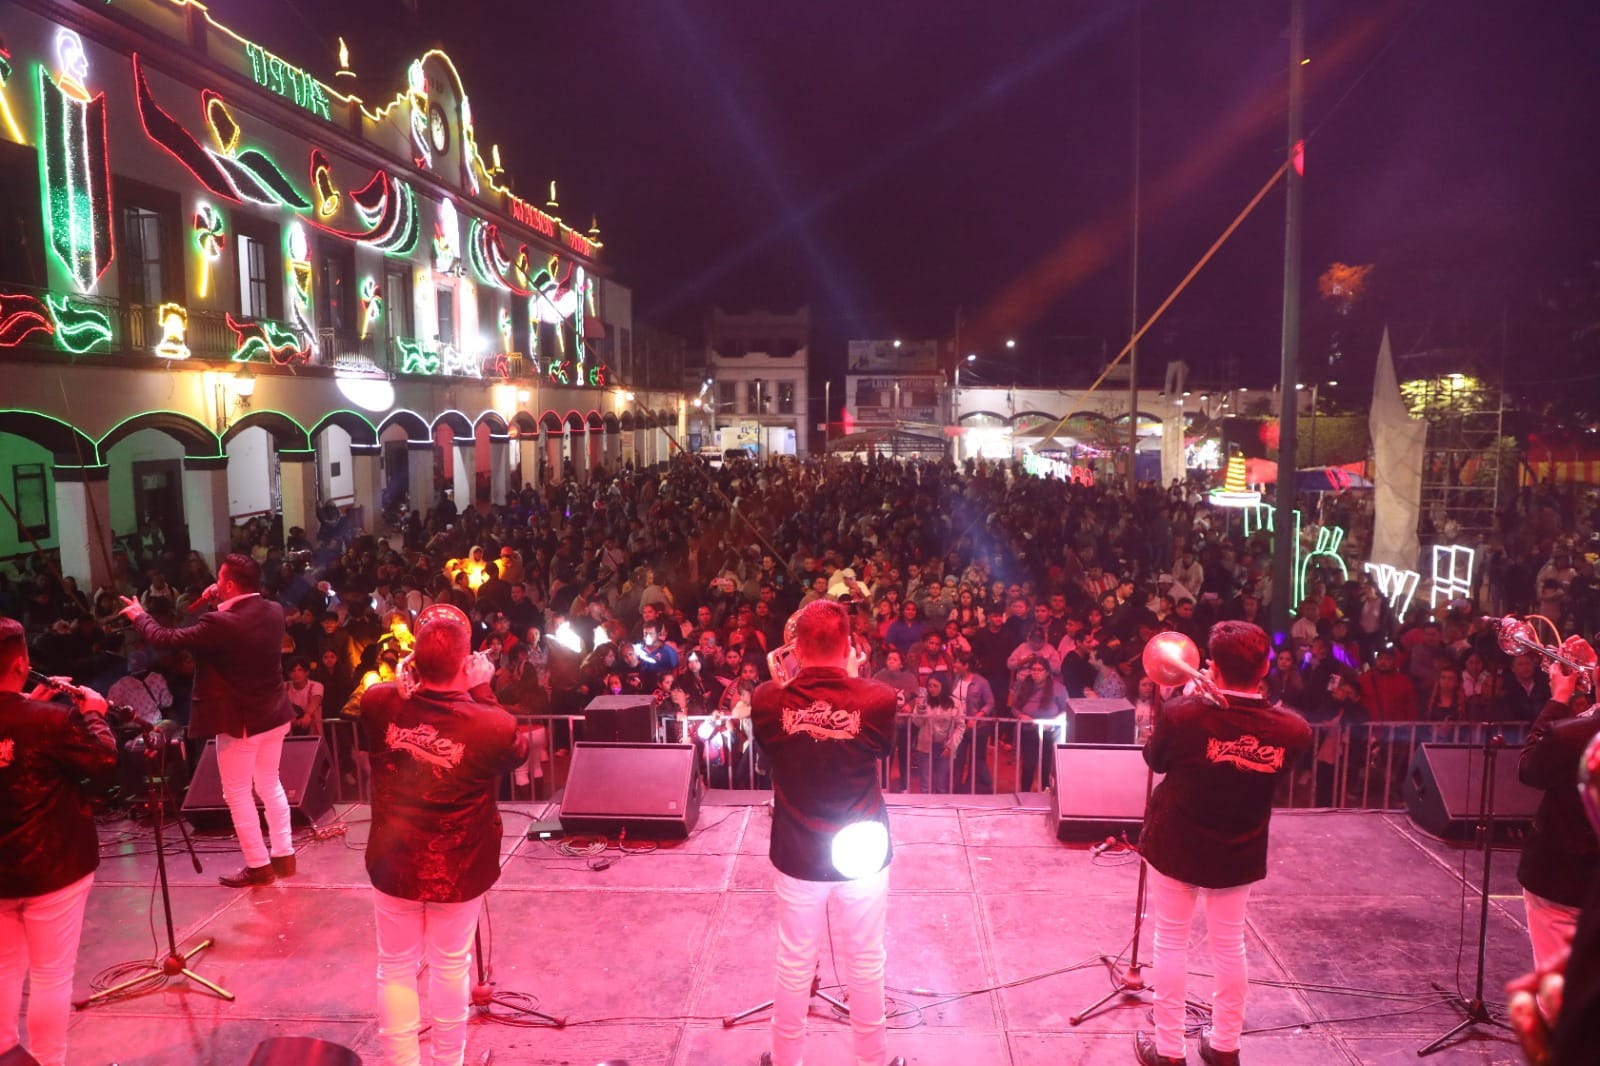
(891, 161)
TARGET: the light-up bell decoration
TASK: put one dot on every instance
(174, 322)
(1235, 491)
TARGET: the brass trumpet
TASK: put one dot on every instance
(1575, 655)
(1172, 659)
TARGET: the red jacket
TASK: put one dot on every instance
(1389, 696)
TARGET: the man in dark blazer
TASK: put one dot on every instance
(239, 699)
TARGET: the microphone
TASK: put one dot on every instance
(204, 600)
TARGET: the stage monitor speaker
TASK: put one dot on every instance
(650, 790)
(1442, 790)
(306, 771)
(614, 719)
(302, 1051)
(1098, 791)
(1099, 721)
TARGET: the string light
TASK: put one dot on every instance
(210, 238)
(254, 339)
(446, 238)
(414, 359)
(417, 97)
(11, 120)
(371, 305)
(224, 130)
(20, 316)
(75, 168)
(174, 322)
(322, 186)
(289, 82)
(77, 328)
(1452, 573)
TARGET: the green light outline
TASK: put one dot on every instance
(89, 320)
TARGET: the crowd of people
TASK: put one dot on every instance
(976, 592)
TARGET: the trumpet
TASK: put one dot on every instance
(1172, 659)
(1575, 655)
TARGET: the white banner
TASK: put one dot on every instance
(1398, 441)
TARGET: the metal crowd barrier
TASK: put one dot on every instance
(1350, 766)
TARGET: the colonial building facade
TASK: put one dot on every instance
(228, 288)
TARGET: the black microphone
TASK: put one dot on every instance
(204, 600)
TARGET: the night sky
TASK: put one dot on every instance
(890, 161)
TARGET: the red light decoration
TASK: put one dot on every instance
(20, 316)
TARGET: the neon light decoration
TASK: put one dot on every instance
(210, 239)
(77, 328)
(457, 364)
(446, 238)
(1452, 573)
(21, 315)
(174, 323)
(505, 330)
(497, 365)
(469, 148)
(299, 258)
(1329, 538)
(559, 372)
(74, 166)
(1396, 586)
(257, 338)
(389, 207)
(1235, 491)
(287, 81)
(371, 305)
(247, 175)
(417, 98)
(5, 105)
(322, 186)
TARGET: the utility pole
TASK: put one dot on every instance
(1133, 284)
(1283, 546)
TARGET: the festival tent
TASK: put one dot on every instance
(1562, 464)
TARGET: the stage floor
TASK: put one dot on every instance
(994, 929)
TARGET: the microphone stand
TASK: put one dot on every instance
(1477, 1012)
(1130, 983)
(158, 793)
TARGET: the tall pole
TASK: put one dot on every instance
(1283, 539)
(827, 414)
(1133, 281)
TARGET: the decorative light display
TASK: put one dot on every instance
(5, 105)
(560, 372)
(74, 166)
(174, 322)
(1329, 538)
(469, 148)
(1396, 586)
(1039, 465)
(299, 259)
(417, 98)
(456, 364)
(446, 238)
(77, 328)
(322, 186)
(389, 207)
(224, 129)
(210, 238)
(1235, 491)
(287, 81)
(371, 305)
(256, 339)
(20, 316)
(1452, 573)
(505, 330)
(414, 359)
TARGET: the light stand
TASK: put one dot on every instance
(816, 991)
(157, 795)
(1130, 983)
(1477, 1012)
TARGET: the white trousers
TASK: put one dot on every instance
(409, 933)
(39, 940)
(246, 761)
(1551, 926)
(859, 919)
(1172, 906)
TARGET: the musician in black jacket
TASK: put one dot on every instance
(437, 752)
(1205, 832)
(1559, 857)
(49, 756)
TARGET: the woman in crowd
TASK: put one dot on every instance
(939, 733)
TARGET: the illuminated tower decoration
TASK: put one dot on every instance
(75, 170)
(211, 239)
(1235, 491)
(6, 116)
(174, 323)
(371, 305)
(417, 98)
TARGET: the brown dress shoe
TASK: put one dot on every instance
(248, 876)
(283, 865)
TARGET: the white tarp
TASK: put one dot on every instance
(1397, 445)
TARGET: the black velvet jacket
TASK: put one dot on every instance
(1560, 853)
(51, 759)
(435, 760)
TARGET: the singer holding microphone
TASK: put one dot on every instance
(49, 849)
(1222, 750)
(439, 743)
(239, 699)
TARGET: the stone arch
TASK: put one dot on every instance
(286, 433)
(197, 439)
(415, 426)
(359, 427)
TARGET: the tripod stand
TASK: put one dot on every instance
(816, 990)
(1131, 983)
(1477, 1013)
(484, 997)
(157, 795)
